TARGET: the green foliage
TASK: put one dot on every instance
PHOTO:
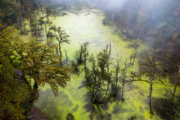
(148, 64)
(62, 37)
(7, 8)
(99, 78)
(40, 63)
(13, 92)
(23, 63)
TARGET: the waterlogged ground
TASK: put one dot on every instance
(86, 26)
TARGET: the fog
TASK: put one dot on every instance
(90, 59)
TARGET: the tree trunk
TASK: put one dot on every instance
(94, 86)
(117, 74)
(34, 94)
(122, 92)
(31, 28)
(66, 55)
(18, 22)
(24, 26)
(150, 94)
(134, 57)
(46, 32)
(85, 67)
(123, 84)
(80, 56)
(107, 89)
(174, 90)
(85, 62)
(94, 76)
(60, 53)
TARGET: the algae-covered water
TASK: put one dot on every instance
(87, 26)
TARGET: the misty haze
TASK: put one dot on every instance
(89, 60)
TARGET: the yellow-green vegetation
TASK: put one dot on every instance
(87, 26)
(25, 65)
(89, 61)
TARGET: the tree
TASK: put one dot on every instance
(123, 78)
(176, 78)
(1, 26)
(172, 49)
(150, 68)
(81, 58)
(13, 91)
(41, 22)
(85, 55)
(7, 12)
(41, 64)
(24, 67)
(99, 77)
(62, 37)
(117, 74)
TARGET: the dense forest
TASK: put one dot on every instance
(89, 60)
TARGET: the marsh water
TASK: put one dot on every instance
(87, 26)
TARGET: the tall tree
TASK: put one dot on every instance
(62, 37)
(13, 91)
(40, 63)
(24, 66)
(149, 67)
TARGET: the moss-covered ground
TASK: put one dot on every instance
(87, 26)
